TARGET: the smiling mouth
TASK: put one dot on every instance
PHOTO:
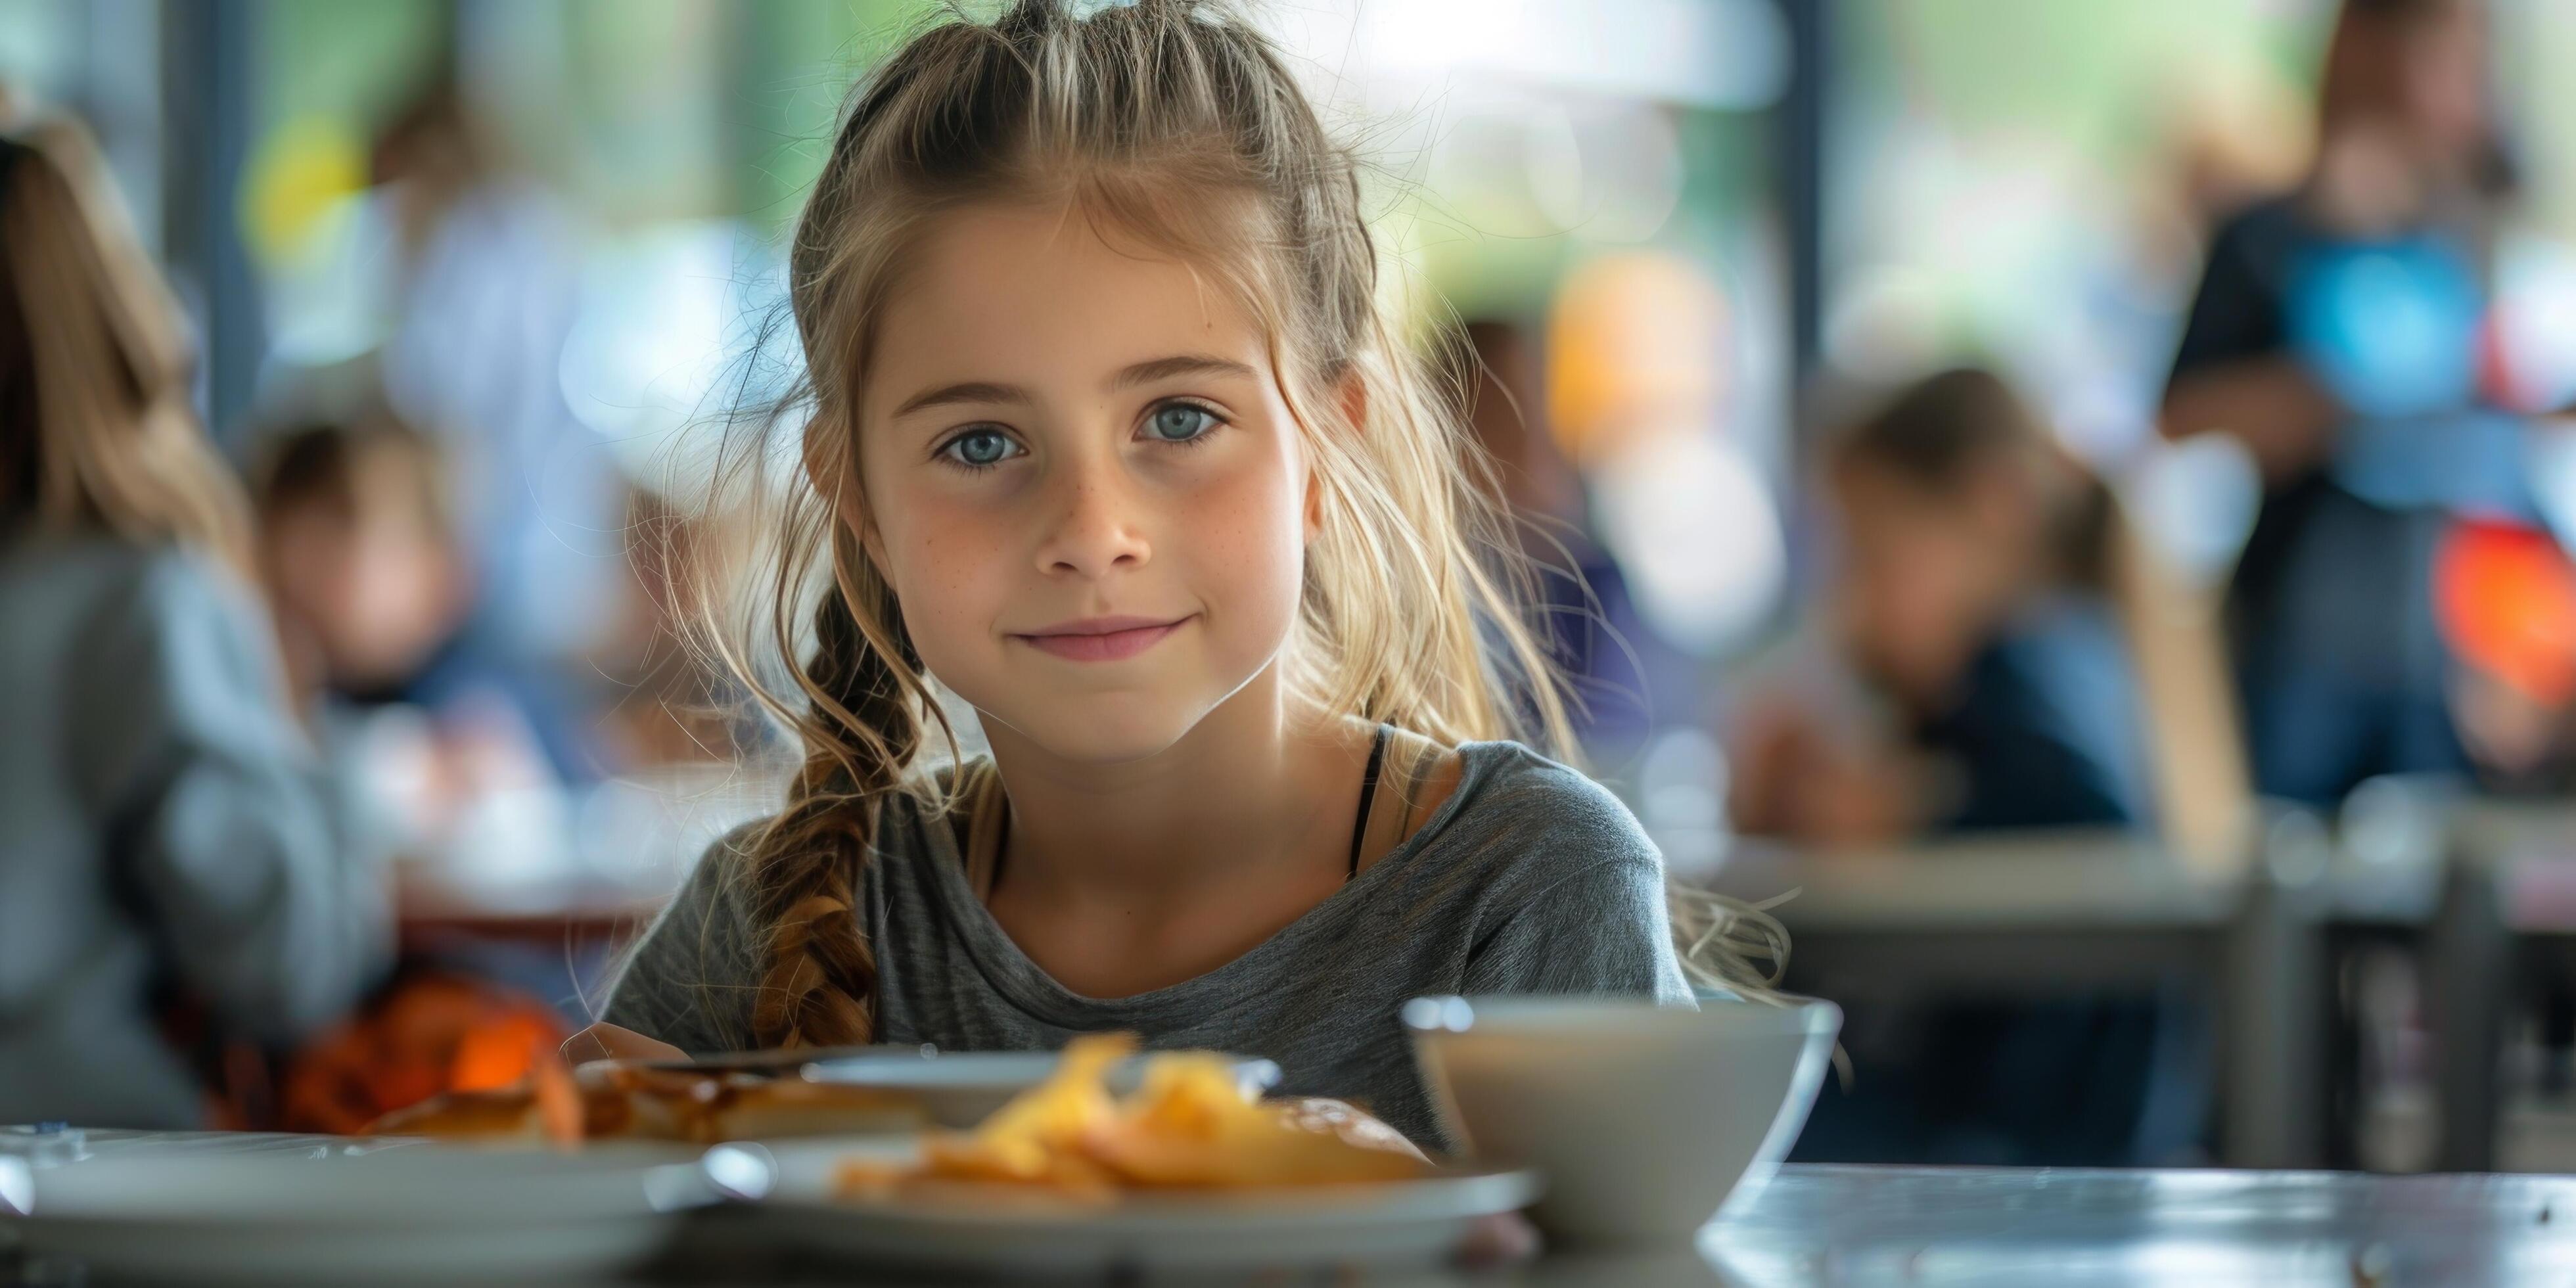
(1105, 639)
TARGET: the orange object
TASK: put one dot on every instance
(428, 1033)
(2505, 596)
(500, 1051)
(1636, 344)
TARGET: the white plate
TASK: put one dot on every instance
(353, 1214)
(1388, 1225)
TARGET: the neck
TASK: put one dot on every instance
(1240, 788)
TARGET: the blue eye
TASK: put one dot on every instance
(980, 448)
(1180, 423)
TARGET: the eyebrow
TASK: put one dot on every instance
(1186, 364)
(1142, 373)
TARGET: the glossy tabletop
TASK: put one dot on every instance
(1982, 1226)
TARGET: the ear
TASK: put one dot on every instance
(834, 476)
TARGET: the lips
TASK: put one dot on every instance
(1101, 639)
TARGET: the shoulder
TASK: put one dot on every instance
(166, 600)
(723, 891)
(2260, 229)
(1571, 895)
(717, 898)
(687, 979)
(161, 644)
(106, 583)
(1507, 785)
(1533, 823)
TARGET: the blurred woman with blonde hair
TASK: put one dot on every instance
(169, 834)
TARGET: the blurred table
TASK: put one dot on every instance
(2485, 889)
(1998, 1227)
(573, 908)
(2505, 930)
(587, 866)
(2011, 1226)
(2050, 913)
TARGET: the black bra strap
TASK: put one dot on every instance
(1368, 794)
(999, 820)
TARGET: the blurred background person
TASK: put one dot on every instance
(171, 842)
(1621, 673)
(358, 546)
(2339, 333)
(483, 295)
(369, 583)
(1980, 592)
(1972, 591)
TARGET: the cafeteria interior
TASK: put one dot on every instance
(2057, 521)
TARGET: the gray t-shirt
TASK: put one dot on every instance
(1530, 878)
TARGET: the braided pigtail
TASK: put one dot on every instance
(864, 705)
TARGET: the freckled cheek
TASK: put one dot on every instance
(1244, 538)
(953, 566)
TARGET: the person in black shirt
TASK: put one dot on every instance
(2334, 335)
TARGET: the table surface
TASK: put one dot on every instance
(2111, 880)
(1997, 1226)
(2049, 880)
(2010, 1226)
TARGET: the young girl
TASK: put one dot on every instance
(1110, 436)
(167, 832)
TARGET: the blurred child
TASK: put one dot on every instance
(1620, 674)
(1978, 597)
(1974, 594)
(168, 833)
(369, 584)
(364, 572)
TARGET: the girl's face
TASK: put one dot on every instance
(1083, 481)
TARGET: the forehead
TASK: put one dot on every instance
(1872, 491)
(1037, 295)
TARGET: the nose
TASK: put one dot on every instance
(1096, 528)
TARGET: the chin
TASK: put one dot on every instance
(1097, 729)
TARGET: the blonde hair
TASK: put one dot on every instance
(96, 431)
(1409, 608)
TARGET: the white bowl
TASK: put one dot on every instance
(960, 1088)
(1645, 1119)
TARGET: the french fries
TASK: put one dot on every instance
(612, 1100)
(1187, 1126)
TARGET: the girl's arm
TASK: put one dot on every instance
(225, 834)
